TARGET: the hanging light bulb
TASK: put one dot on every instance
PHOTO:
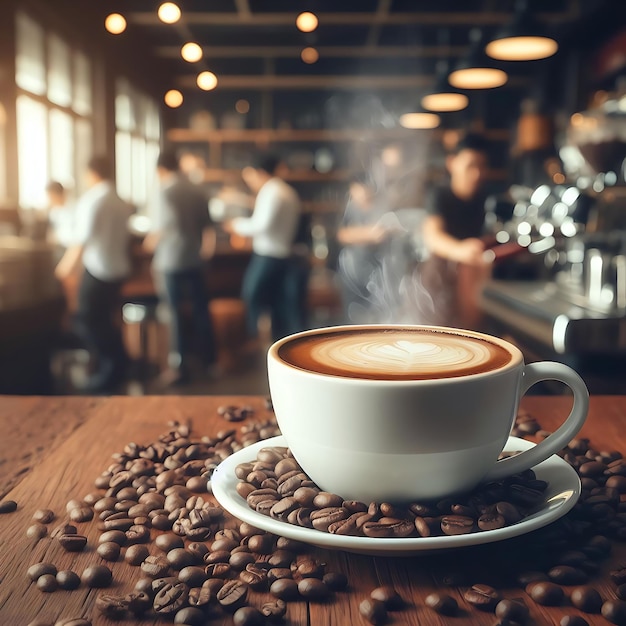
(444, 98)
(419, 120)
(169, 13)
(115, 23)
(173, 98)
(476, 71)
(307, 22)
(309, 55)
(191, 52)
(523, 39)
(206, 81)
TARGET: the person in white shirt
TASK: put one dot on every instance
(272, 227)
(101, 241)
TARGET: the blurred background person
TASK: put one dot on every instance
(273, 227)
(456, 270)
(182, 237)
(101, 245)
(60, 216)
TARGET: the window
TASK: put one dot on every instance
(136, 145)
(54, 105)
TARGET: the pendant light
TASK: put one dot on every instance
(443, 97)
(476, 71)
(523, 39)
(420, 120)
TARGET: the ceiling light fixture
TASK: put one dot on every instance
(115, 23)
(443, 97)
(242, 106)
(476, 71)
(191, 52)
(310, 55)
(307, 22)
(207, 81)
(169, 13)
(173, 98)
(523, 39)
(419, 121)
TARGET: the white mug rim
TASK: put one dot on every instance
(517, 358)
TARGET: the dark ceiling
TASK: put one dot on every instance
(383, 38)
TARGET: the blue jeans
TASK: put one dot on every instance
(179, 287)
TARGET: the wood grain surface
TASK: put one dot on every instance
(54, 448)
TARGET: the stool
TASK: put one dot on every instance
(229, 324)
(144, 337)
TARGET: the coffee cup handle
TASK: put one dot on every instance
(534, 373)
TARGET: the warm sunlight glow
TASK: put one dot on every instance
(173, 98)
(307, 22)
(207, 81)
(115, 23)
(169, 13)
(191, 52)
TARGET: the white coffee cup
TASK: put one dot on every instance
(434, 429)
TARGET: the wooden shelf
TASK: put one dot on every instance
(267, 135)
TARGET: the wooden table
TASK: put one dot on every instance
(52, 449)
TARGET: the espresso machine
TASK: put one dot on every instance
(573, 232)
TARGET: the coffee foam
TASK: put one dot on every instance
(395, 354)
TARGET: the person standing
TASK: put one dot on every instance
(101, 242)
(457, 268)
(182, 236)
(273, 227)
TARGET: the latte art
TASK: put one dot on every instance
(394, 354)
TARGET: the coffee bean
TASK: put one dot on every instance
(389, 528)
(335, 581)
(217, 570)
(525, 578)
(615, 611)
(239, 560)
(138, 602)
(170, 598)
(168, 542)
(109, 551)
(512, 611)
(261, 544)
(179, 558)
(8, 506)
(135, 555)
(190, 616)
(44, 516)
(313, 589)
(137, 533)
(113, 607)
(491, 521)
(274, 611)
(47, 583)
(248, 616)
(72, 621)
(155, 566)
(457, 524)
(63, 529)
(192, 575)
(39, 569)
(545, 593)
(373, 611)
(618, 576)
(97, 576)
(117, 536)
(567, 575)
(573, 620)
(36, 531)
(586, 599)
(232, 595)
(68, 579)
(388, 596)
(254, 576)
(285, 589)
(81, 514)
(73, 543)
(482, 597)
(442, 603)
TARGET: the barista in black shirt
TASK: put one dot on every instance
(456, 270)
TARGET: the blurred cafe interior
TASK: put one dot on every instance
(363, 106)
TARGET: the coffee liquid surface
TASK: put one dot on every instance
(394, 354)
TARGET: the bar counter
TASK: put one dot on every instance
(53, 449)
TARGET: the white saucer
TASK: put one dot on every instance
(560, 496)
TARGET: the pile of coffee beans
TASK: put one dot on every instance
(195, 563)
(276, 486)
